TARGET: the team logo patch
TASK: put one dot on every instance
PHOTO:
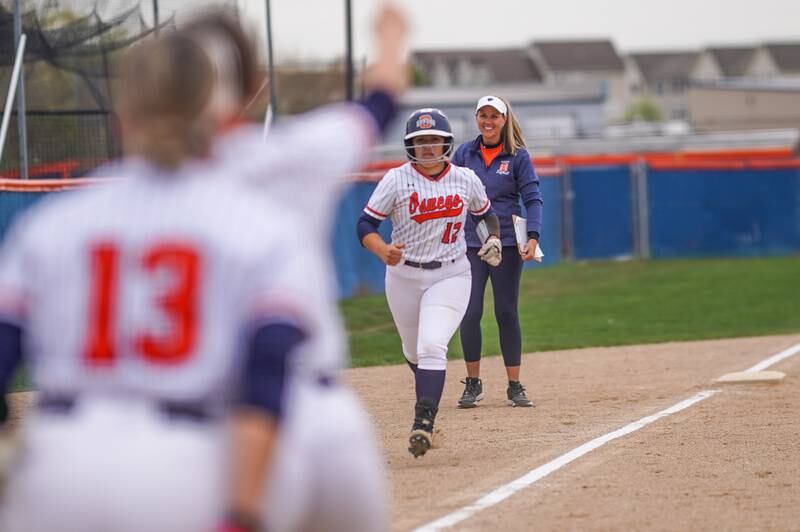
(425, 122)
(503, 169)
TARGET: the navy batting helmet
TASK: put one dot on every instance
(428, 122)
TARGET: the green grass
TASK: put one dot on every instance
(616, 303)
(612, 303)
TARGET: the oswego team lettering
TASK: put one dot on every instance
(434, 208)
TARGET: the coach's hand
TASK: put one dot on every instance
(528, 252)
(392, 253)
(492, 251)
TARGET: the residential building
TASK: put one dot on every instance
(585, 61)
(745, 104)
(664, 77)
(733, 61)
(545, 112)
(786, 58)
(474, 68)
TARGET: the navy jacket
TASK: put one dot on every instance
(509, 179)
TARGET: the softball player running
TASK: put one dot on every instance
(148, 308)
(428, 275)
(303, 164)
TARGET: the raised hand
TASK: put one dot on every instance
(390, 70)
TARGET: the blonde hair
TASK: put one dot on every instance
(166, 84)
(512, 136)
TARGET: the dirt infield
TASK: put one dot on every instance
(729, 462)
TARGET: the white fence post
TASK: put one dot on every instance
(12, 90)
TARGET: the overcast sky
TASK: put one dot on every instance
(631, 24)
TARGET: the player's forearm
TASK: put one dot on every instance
(492, 223)
(253, 434)
(374, 243)
(258, 410)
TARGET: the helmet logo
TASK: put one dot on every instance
(425, 122)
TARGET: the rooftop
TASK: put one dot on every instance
(579, 55)
(657, 66)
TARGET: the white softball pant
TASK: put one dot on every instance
(116, 466)
(328, 473)
(427, 307)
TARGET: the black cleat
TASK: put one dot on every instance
(516, 394)
(421, 438)
(473, 392)
(419, 442)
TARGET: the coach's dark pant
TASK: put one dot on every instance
(505, 286)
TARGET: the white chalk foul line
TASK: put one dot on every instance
(506, 491)
(774, 359)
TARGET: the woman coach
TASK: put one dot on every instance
(500, 158)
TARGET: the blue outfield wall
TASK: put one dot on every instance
(602, 212)
(13, 203)
(552, 231)
(724, 212)
(357, 270)
(690, 213)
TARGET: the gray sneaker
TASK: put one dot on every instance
(516, 394)
(473, 392)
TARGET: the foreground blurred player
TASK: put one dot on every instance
(328, 473)
(148, 309)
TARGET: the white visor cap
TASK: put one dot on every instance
(492, 101)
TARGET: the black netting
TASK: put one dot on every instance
(71, 52)
(63, 143)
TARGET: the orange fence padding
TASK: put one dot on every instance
(63, 168)
(46, 185)
(770, 153)
(752, 164)
(550, 166)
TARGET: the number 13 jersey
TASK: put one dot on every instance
(148, 285)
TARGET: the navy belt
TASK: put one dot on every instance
(65, 404)
(434, 265)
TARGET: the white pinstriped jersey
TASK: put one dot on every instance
(428, 214)
(303, 164)
(144, 287)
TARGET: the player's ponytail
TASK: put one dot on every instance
(165, 85)
(513, 138)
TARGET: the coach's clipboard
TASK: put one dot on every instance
(521, 232)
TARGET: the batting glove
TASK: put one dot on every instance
(492, 251)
